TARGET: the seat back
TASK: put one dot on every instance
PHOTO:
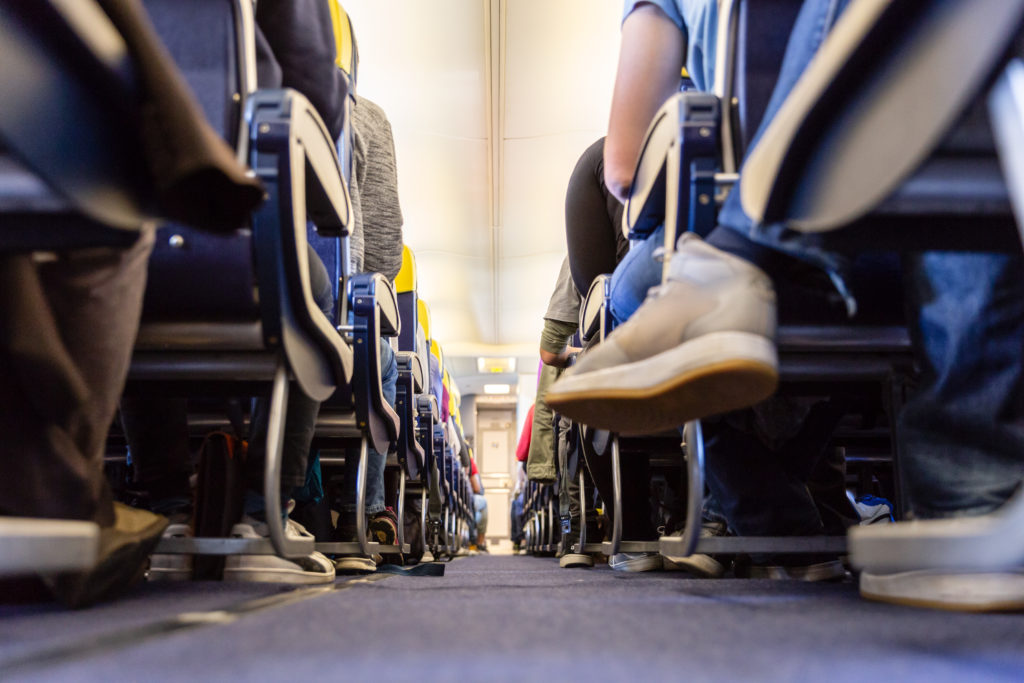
(207, 40)
(763, 31)
(405, 289)
(60, 58)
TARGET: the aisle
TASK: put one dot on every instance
(523, 618)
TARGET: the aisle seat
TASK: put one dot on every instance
(937, 182)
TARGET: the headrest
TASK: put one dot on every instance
(423, 316)
(883, 90)
(405, 281)
(435, 351)
(347, 58)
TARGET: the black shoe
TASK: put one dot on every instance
(124, 549)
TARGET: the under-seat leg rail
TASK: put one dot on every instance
(364, 545)
(285, 547)
(693, 445)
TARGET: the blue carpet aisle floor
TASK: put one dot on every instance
(508, 618)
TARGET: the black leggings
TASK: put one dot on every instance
(593, 219)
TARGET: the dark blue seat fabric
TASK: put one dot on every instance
(101, 179)
(185, 261)
(763, 31)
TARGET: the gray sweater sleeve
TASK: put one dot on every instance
(378, 191)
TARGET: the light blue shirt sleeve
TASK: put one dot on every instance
(699, 20)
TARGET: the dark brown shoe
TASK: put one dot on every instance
(124, 549)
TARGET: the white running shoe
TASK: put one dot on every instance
(314, 568)
(167, 567)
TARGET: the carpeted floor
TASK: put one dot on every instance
(512, 618)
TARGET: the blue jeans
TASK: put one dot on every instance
(480, 513)
(961, 434)
(635, 274)
(374, 461)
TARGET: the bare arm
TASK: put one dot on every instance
(558, 360)
(651, 56)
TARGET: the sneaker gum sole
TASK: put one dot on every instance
(955, 593)
(575, 560)
(355, 564)
(276, 575)
(710, 375)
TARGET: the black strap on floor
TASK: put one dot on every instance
(425, 569)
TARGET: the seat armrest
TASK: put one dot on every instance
(681, 144)
(383, 293)
(410, 362)
(594, 309)
(290, 315)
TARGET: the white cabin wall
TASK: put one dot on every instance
(491, 102)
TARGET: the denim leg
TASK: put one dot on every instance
(157, 434)
(480, 513)
(374, 461)
(757, 492)
(812, 25)
(962, 433)
(634, 275)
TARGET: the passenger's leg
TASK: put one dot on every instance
(157, 434)
(636, 504)
(480, 507)
(593, 220)
(703, 343)
(634, 276)
(962, 432)
(382, 523)
(67, 328)
(540, 463)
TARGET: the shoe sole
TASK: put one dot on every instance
(937, 591)
(123, 568)
(355, 564)
(647, 564)
(823, 571)
(282, 575)
(700, 565)
(169, 574)
(713, 374)
(575, 560)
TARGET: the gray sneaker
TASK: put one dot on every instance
(698, 564)
(700, 345)
(635, 562)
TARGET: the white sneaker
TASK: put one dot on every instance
(701, 344)
(871, 509)
(635, 562)
(943, 589)
(167, 567)
(314, 568)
